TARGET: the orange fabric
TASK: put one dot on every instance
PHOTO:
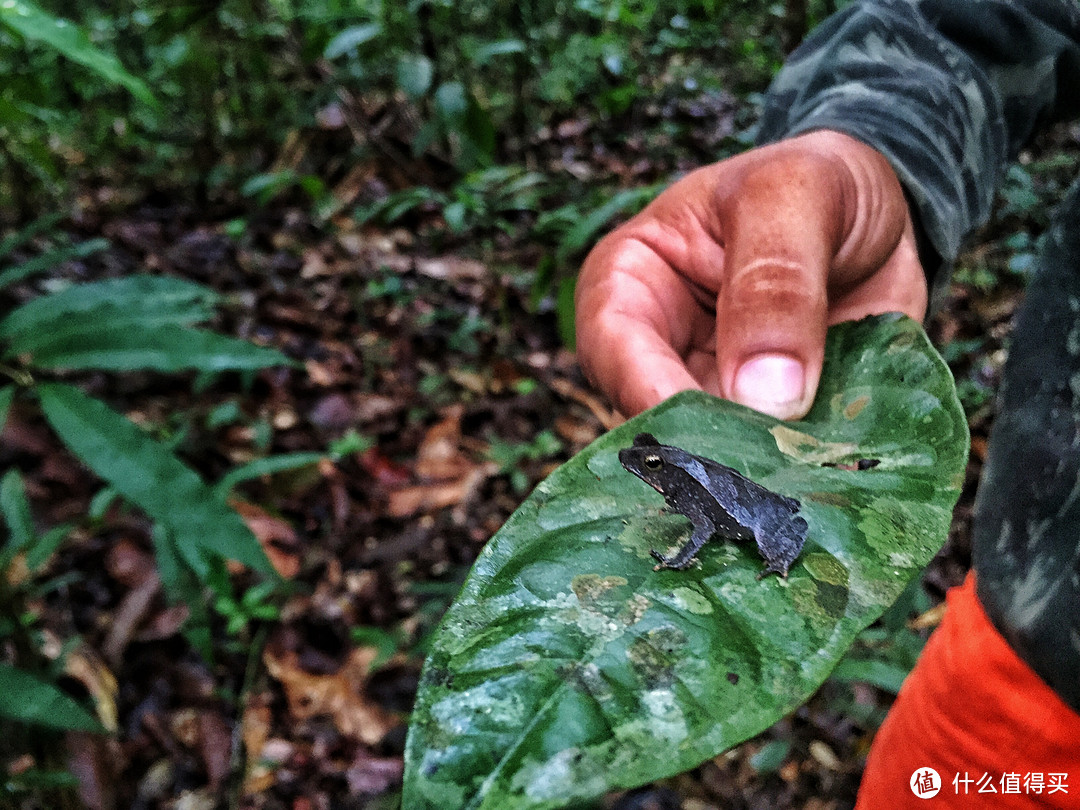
(972, 709)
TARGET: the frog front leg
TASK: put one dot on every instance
(703, 530)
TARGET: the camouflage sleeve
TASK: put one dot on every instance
(947, 90)
(1026, 551)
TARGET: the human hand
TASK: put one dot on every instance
(728, 280)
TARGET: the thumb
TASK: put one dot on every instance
(815, 229)
(782, 222)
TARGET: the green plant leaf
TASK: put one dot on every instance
(149, 475)
(39, 225)
(350, 39)
(47, 261)
(488, 50)
(414, 74)
(586, 229)
(15, 509)
(29, 699)
(265, 466)
(70, 40)
(134, 300)
(567, 666)
(43, 549)
(7, 396)
(878, 673)
(122, 345)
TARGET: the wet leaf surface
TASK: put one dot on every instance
(567, 666)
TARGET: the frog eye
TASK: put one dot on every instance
(653, 461)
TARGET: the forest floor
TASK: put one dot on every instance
(432, 356)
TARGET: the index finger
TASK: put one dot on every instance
(637, 322)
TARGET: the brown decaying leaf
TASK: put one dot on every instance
(448, 476)
(373, 775)
(132, 612)
(339, 695)
(608, 417)
(86, 666)
(95, 761)
(255, 732)
(215, 747)
(277, 537)
(929, 619)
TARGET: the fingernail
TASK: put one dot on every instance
(772, 384)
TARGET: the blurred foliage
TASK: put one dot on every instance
(204, 94)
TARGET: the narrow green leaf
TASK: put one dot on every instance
(265, 466)
(40, 552)
(771, 756)
(29, 699)
(146, 473)
(350, 39)
(881, 674)
(70, 40)
(184, 584)
(86, 343)
(568, 666)
(179, 579)
(7, 396)
(586, 230)
(486, 52)
(564, 311)
(134, 300)
(15, 509)
(47, 261)
(39, 225)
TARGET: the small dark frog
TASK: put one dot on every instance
(717, 500)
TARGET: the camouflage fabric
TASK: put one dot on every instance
(949, 91)
(1027, 514)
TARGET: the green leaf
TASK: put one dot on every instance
(148, 474)
(135, 300)
(39, 554)
(586, 230)
(414, 74)
(39, 225)
(70, 40)
(881, 674)
(15, 509)
(564, 311)
(7, 396)
(567, 666)
(265, 466)
(452, 101)
(486, 52)
(771, 756)
(47, 261)
(122, 345)
(29, 699)
(350, 39)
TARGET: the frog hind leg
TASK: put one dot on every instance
(703, 530)
(780, 543)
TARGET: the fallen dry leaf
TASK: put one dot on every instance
(87, 667)
(276, 536)
(215, 747)
(130, 614)
(255, 727)
(448, 476)
(373, 775)
(339, 695)
(95, 761)
(423, 498)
